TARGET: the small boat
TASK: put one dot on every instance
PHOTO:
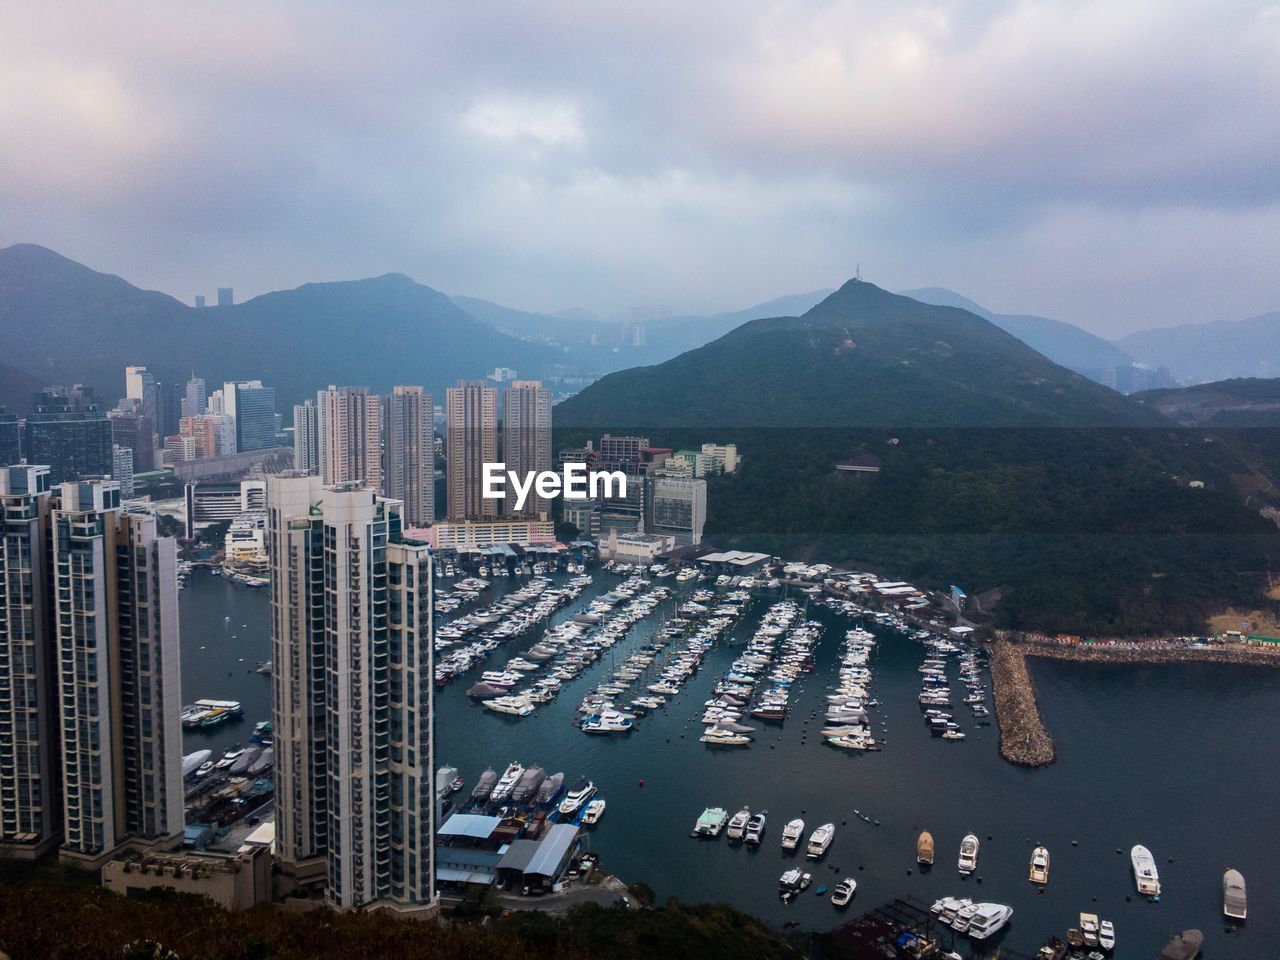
(1144, 871)
(844, 891)
(1107, 935)
(1075, 939)
(791, 883)
(738, 824)
(755, 828)
(230, 757)
(969, 854)
(1040, 865)
(1234, 903)
(1054, 949)
(205, 768)
(820, 841)
(1089, 929)
(484, 786)
(711, 822)
(792, 833)
(924, 848)
(1184, 946)
(194, 761)
(595, 810)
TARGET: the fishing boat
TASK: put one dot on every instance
(484, 786)
(968, 854)
(792, 833)
(924, 848)
(1107, 935)
(595, 810)
(820, 841)
(1184, 946)
(711, 822)
(1234, 903)
(1040, 865)
(844, 891)
(577, 797)
(755, 828)
(1144, 871)
(738, 824)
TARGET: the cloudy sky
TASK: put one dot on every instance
(1115, 164)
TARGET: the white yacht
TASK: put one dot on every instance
(755, 828)
(792, 833)
(844, 891)
(608, 721)
(1144, 871)
(820, 840)
(711, 822)
(969, 854)
(578, 795)
(738, 824)
(1107, 935)
(718, 736)
(988, 918)
(507, 782)
(1040, 865)
(593, 813)
(517, 705)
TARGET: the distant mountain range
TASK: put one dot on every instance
(1056, 502)
(1227, 403)
(62, 322)
(1204, 352)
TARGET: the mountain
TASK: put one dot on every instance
(1063, 343)
(1056, 503)
(1203, 352)
(574, 328)
(1227, 403)
(861, 357)
(65, 323)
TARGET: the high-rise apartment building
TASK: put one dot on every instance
(69, 432)
(226, 296)
(471, 441)
(253, 407)
(122, 469)
(352, 435)
(10, 437)
(410, 469)
(306, 433)
(89, 648)
(132, 430)
(352, 705)
(526, 439)
(676, 506)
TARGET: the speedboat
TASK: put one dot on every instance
(1107, 935)
(792, 833)
(1144, 871)
(578, 795)
(755, 828)
(844, 891)
(230, 757)
(1234, 902)
(820, 840)
(194, 761)
(205, 768)
(738, 824)
(710, 823)
(595, 810)
(924, 848)
(1040, 865)
(507, 782)
(988, 918)
(969, 854)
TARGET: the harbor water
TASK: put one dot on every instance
(1184, 759)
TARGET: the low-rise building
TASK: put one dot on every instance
(469, 535)
(234, 881)
(635, 547)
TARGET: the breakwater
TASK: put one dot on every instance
(1154, 652)
(1024, 739)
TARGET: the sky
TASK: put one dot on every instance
(1115, 164)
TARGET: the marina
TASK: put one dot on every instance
(659, 779)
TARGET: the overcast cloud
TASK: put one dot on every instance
(1115, 164)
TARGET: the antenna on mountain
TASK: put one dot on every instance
(857, 272)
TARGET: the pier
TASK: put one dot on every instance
(1024, 739)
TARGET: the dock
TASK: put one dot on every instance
(1024, 739)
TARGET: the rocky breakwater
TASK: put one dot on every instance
(1152, 652)
(1024, 740)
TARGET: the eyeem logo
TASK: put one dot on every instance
(576, 483)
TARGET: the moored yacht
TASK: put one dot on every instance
(1040, 865)
(755, 828)
(507, 782)
(738, 824)
(595, 810)
(578, 795)
(924, 848)
(969, 854)
(1107, 935)
(516, 705)
(484, 786)
(844, 891)
(820, 840)
(792, 833)
(711, 822)
(1234, 902)
(988, 918)
(1144, 871)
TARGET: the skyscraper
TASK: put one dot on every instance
(352, 704)
(306, 431)
(410, 454)
(90, 637)
(253, 407)
(194, 398)
(526, 439)
(132, 430)
(122, 469)
(471, 441)
(352, 435)
(30, 814)
(226, 296)
(69, 433)
(10, 437)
